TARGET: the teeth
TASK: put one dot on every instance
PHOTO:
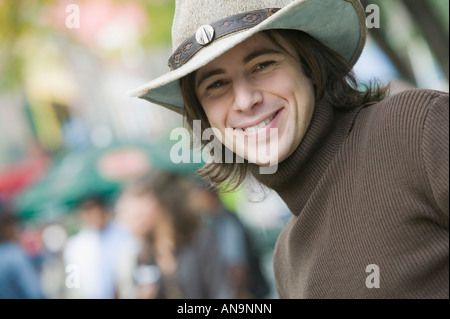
(260, 125)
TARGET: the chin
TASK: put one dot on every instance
(265, 160)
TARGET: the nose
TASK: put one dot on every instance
(246, 95)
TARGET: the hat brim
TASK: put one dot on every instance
(338, 24)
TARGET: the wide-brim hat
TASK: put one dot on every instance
(203, 30)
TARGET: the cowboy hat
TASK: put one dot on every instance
(203, 30)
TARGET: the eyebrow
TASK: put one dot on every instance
(258, 53)
(208, 75)
(247, 59)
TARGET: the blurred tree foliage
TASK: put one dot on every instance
(23, 19)
(160, 14)
(18, 20)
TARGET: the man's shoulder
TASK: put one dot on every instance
(412, 99)
(406, 106)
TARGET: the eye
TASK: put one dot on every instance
(216, 84)
(263, 65)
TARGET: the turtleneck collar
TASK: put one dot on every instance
(297, 176)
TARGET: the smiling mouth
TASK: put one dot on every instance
(258, 126)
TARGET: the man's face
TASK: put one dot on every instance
(140, 214)
(94, 215)
(253, 89)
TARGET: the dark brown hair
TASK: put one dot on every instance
(333, 81)
(8, 224)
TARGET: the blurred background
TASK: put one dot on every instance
(71, 141)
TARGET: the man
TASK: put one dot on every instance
(19, 279)
(96, 249)
(364, 175)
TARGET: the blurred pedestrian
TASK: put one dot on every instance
(178, 257)
(18, 277)
(95, 250)
(235, 243)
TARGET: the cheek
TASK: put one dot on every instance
(217, 113)
(277, 84)
(151, 212)
(300, 95)
(138, 215)
(305, 103)
(281, 88)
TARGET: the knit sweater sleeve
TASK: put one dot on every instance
(435, 150)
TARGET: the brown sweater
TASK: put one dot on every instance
(368, 186)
